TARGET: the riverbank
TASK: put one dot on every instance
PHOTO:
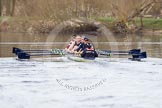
(39, 25)
(150, 25)
(26, 24)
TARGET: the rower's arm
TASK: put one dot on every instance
(71, 46)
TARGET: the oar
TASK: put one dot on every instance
(24, 55)
(138, 57)
(133, 51)
(17, 50)
(135, 56)
(136, 53)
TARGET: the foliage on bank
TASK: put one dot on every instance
(37, 25)
(40, 16)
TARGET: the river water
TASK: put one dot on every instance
(152, 44)
(103, 83)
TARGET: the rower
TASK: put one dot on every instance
(73, 44)
(87, 50)
(83, 44)
(78, 42)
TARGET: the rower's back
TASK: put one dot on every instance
(89, 54)
(88, 51)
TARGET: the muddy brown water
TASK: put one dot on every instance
(152, 44)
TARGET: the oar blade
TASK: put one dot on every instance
(138, 57)
(16, 50)
(134, 51)
(23, 55)
(143, 55)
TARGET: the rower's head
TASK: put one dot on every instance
(73, 36)
(83, 38)
(78, 38)
(86, 40)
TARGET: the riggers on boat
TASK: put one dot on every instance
(136, 54)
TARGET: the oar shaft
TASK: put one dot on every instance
(23, 55)
(108, 51)
(130, 52)
(39, 52)
(109, 54)
(15, 50)
(36, 50)
(43, 54)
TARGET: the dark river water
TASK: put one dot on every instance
(152, 44)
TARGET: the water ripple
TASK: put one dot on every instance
(96, 98)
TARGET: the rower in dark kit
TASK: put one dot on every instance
(85, 44)
(82, 46)
(86, 49)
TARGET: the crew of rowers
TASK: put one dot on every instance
(78, 44)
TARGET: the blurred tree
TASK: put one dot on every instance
(13, 2)
(10, 7)
(126, 10)
(0, 7)
(64, 9)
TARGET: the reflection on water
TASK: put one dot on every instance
(151, 44)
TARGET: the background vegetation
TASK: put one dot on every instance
(126, 14)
